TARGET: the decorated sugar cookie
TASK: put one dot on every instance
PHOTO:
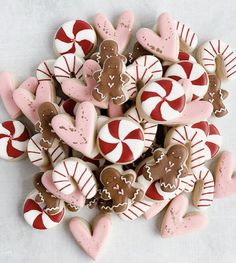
(76, 37)
(45, 70)
(111, 81)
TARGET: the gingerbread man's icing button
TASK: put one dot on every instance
(107, 49)
(121, 140)
(120, 187)
(111, 81)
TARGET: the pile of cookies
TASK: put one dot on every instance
(125, 133)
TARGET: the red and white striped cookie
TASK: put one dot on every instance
(193, 139)
(144, 70)
(45, 70)
(161, 101)
(68, 66)
(69, 106)
(191, 76)
(14, 137)
(188, 39)
(121, 140)
(77, 37)
(36, 216)
(213, 49)
(72, 173)
(204, 194)
(149, 129)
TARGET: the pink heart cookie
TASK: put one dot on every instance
(7, 84)
(78, 91)
(121, 34)
(76, 198)
(79, 135)
(166, 44)
(225, 181)
(91, 240)
(31, 94)
(155, 209)
(177, 222)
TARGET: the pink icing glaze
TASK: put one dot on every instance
(81, 136)
(30, 95)
(76, 198)
(114, 110)
(155, 209)
(167, 44)
(7, 86)
(78, 91)
(121, 34)
(177, 222)
(225, 184)
(93, 241)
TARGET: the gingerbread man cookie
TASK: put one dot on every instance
(119, 187)
(52, 202)
(137, 52)
(107, 49)
(168, 167)
(215, 95)
(111, 81)
(46, 112)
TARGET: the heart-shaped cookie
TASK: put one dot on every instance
(78, 91)
(91, 240)
(177, 222)
(121, 34)
(166, 44)
(79, 135)
(225, 181)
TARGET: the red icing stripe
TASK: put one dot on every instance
(202, 80)
(113, 128)
(135, 134)
(126, 155)
(187, 67)
(13, 152)
(23, 137)
(152, 193)
(61, 35)
(38, 223)
(80, 25)
(106, 147)
(9, 125)
(30, 204)
(148, 94)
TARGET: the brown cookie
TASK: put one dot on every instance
(72, 208)
(118, 187)
(46, 111)
(107, 49)
(215, 95)
(137, 52)
(52, 202)
(167, 166)
(111, 81)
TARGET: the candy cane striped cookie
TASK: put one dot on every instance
(36, 216)
(77, 37)
(121, 140)
(68, 66)
(72, 173)
(193, 140)
(191, 76)
(188, 39)
(161, 101)
(14, 137)
(150, 129)
(45, 70)
(144, 70)
(217, 57)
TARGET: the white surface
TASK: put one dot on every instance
(26, 32)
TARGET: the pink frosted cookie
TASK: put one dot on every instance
(30, 95)
(155, 209)
(91, 239)
(217, 57)
(149, 129)
(161, 101)
(121, 34)
(36, 216)
(191, 76)
(144, 70)
(77, 37)
(177, 222)
(75, 199)
(45, 70)
(73, 173)
(68, 66)
(14, 137)
(79, 91)
(225, 182)
(81, 134)
(166, 44)
(7, 84)
(121, 141)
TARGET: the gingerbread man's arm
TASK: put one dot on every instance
(37, 126)
(97, 75)
(159, 156)
(105, 195)
(124, 78)
(128, 178)
(136, 194)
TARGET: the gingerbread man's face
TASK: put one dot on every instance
(108, 48)
(113, 66)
